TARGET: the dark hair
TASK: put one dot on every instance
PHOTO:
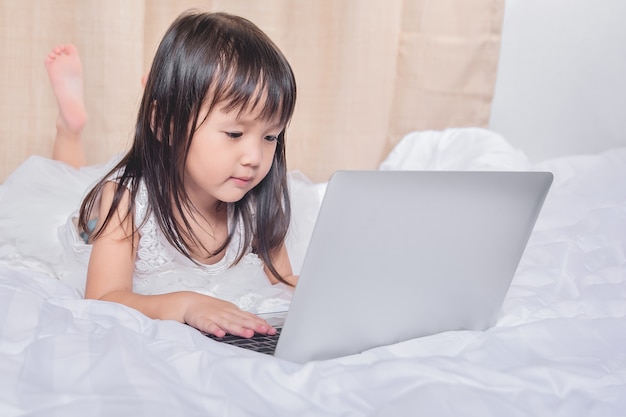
(205, 59)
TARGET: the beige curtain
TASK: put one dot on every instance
(368, 72)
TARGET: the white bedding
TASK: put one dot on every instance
(558, 348)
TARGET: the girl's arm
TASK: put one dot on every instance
(280, 259)
(110, 278)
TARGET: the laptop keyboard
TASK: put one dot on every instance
(259, 342)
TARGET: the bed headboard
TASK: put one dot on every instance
(561, 83)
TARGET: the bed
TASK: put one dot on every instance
(558, 347)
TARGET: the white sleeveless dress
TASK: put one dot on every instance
(38, 208)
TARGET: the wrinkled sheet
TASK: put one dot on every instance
(558, 348)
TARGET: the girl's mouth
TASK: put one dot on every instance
(241, 181)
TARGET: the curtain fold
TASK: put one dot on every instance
(367, 73)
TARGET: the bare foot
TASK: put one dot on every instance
(66, 75)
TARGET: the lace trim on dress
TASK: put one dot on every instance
(154, 252)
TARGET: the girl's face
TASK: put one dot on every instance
(230, 153)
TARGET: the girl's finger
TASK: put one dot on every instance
(212, 328)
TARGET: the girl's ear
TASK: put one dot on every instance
(157, 132)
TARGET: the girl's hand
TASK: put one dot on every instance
(218, 317)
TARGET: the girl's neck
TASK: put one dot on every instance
(210, 228)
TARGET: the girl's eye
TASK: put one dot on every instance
(234, 135)
(271, 138)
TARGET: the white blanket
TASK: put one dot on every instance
(558, 348)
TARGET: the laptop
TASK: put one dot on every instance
(397, 255)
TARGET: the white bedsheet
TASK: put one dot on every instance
(558, 349)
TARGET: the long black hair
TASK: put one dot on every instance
(203, 60)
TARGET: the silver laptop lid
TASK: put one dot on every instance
(397, 255)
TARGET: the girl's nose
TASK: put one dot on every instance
(252, 152)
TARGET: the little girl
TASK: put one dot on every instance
(201, 198)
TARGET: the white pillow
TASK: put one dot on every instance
(458, 149)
